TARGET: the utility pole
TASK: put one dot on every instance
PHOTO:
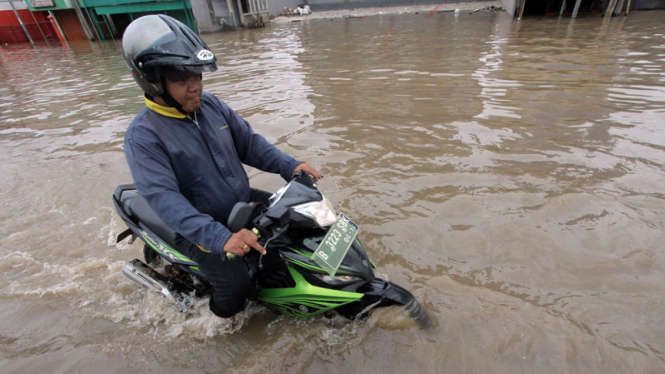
(21, 22)
(84, 23)
(610, 8)
(577, 8)
(563, 8)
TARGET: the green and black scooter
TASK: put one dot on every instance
(314, 264)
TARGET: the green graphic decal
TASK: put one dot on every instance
(165, 250)
(305, 300)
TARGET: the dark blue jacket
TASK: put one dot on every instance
(191, 175)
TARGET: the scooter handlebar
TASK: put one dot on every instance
(233, 256)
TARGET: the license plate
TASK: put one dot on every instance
(336, 244)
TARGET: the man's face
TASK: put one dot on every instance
(187, 92)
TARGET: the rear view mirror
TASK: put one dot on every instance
(240, 216)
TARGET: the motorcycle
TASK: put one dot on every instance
(314, 264)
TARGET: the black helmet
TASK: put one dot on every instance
(156, 47)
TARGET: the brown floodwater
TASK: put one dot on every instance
(510, 174)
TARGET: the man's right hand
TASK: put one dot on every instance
(241, 242)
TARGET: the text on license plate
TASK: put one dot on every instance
(336, 244)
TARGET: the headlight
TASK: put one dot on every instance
(320, 211)
(337, 280)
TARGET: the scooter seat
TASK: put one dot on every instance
(138, 208)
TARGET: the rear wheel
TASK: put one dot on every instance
(151, 256)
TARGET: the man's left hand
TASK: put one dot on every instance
(309, 170)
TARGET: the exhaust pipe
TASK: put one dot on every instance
(146, 277)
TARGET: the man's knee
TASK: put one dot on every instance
(231, 300)
(229, 297)
(227, 309)
(230, 281)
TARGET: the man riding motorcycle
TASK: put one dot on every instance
(186, 151)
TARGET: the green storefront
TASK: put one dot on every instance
(107, 19)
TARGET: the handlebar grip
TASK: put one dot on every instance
(232, 256)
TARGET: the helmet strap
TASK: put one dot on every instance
(168, 99)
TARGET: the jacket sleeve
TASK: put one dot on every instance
(156, 182)
(254, 150)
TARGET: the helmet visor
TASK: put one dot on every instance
(181, 73)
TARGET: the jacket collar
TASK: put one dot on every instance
(163, 110)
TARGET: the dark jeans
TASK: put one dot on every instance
(230, 279)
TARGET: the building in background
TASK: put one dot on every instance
(218, 15)
(70, 20)
(520, 8)
(19, 25)
(23, 21)
(106, 19)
